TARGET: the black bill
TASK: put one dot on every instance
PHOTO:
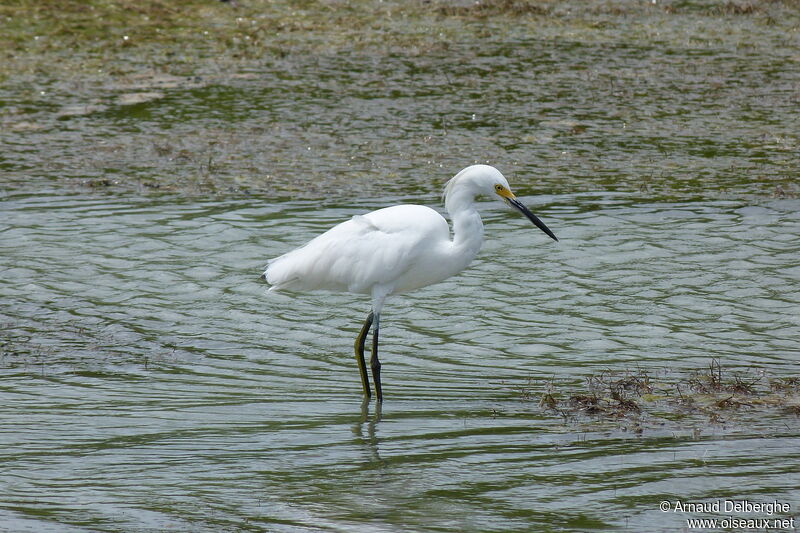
(519, 206)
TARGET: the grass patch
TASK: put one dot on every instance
(488, 8)
(640, 396)
(83, 34)
(87, 24)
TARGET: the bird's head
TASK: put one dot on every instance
(485, 180)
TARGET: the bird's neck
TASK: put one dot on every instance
(467, 232)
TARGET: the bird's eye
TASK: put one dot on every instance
(498, 187)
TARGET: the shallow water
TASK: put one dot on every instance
(151, 383)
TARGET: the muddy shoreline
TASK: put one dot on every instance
(667, 100)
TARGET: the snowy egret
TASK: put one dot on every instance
(395, 250)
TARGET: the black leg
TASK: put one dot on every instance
(362, 365)
(374, 362)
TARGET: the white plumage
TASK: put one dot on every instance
(389, 247)
(394, 250)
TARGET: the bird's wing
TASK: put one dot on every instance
(376, 248)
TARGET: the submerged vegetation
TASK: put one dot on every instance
(637, 399)
(70, 34)
(662, 99)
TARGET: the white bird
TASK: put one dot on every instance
(395, 250)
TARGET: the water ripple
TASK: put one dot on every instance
(150, 381)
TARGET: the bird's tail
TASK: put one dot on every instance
(279, 274)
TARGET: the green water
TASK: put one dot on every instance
(149, 383)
